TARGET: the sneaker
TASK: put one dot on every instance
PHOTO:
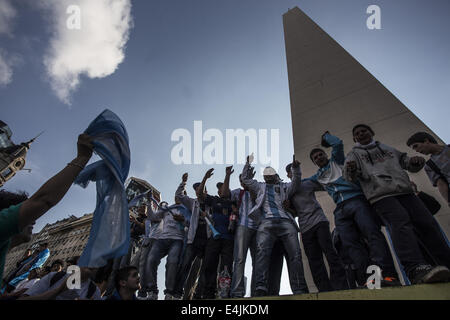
(142, 295)
(168, 297)
(260, 293)
(152, 296)
(429, 274)
(390, 282)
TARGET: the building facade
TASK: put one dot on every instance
(66, 238)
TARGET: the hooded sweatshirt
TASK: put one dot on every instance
(380, 170)
(171, 229)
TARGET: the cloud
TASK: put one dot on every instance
(95, 50)
(7, 14)
(5, 71)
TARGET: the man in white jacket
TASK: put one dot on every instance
(275, 223)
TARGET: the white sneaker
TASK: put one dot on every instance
(142, 295)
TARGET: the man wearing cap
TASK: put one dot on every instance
(381, 171)
(275, 223)
(353, 215)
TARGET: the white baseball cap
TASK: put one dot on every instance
(269, 171)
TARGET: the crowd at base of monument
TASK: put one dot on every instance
(206, 239)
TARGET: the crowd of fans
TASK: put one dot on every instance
(369, 185)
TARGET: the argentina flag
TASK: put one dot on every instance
(110, 230)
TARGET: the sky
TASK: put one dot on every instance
(160, 65)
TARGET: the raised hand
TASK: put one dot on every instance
(351, 166)
(209, 173)
(184, 178)
(250, 159)
(84, 146)
(252, 173)
(295, 163)
(229, 170)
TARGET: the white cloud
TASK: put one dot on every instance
(7, 14)
(5, 71)
(95, 50)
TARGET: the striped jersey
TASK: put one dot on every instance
(272, 207)
(244, 209)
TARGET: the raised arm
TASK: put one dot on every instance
(201, 194)
(180, 193)
(54, 189)
(294, 186)
(337, 153)
(225, 190)
(247, 178)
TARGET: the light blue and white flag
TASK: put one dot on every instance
(110, 230)
(136, 199)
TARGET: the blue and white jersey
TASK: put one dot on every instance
(272, 207)
(330, 176)
(246, 205)
(269, 198)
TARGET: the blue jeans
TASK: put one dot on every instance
(142, 262)
(244, 239)
(408, 220)
(317, 242)
(270, 230)
(159, 250)
(353, 218)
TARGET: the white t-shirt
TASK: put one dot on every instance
(44, 285)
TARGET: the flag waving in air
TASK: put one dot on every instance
(110, 230)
